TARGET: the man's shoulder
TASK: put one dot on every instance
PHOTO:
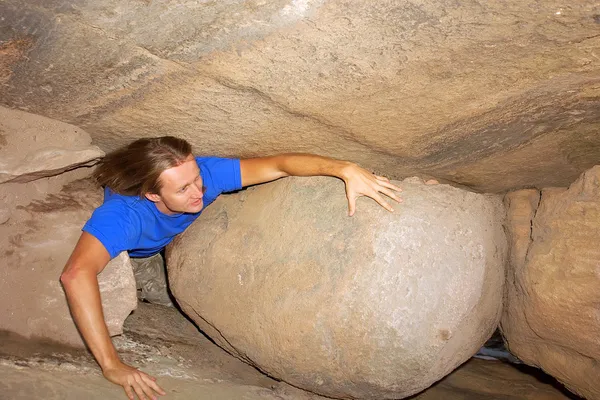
(211, 161)
(222, 173)
(117, 223)
(120, 202)
(124, 208)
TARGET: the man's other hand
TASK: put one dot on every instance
(360, 182)
(133, 381)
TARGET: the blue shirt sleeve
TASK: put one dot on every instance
(115, 226)
(219, 175)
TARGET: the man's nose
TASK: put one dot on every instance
(200, 189)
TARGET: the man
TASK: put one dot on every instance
(154, 189)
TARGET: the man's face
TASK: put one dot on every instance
(182, 189)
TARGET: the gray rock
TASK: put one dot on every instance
(376, 306)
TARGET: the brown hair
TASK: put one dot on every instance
(135, 169)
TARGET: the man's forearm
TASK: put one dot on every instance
(358, 181)
(83, 295)
(298, 164)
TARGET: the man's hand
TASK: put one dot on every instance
(133, 380)
(360, 182)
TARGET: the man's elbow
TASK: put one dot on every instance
(71, 275)
(68, 276)
(281, 166)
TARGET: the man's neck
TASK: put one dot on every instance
(160, 206)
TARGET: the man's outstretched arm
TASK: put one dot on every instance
(79, 279)
(359, 182)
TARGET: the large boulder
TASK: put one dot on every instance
(494, 95)
(376, 306)
(41, 215)
(551, 315)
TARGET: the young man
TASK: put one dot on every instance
(154, 189)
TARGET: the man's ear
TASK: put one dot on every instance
(153, 197)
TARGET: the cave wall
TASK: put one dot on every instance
(494, 96)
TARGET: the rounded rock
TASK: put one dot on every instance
(375, 306)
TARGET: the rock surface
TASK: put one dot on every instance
(40, 223)
(35, 245)
(188, 366)
(551, 311)
(34, 147)
(493, 95)
(376, 306)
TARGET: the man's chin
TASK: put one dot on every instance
(195, 209)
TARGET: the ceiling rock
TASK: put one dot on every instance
(492, 95)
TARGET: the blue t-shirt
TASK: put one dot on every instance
(135, 224)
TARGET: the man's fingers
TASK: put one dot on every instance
(390, 185)
(351, 204)
(432, 182)
(377, 197)
(139, 391)
(129, 392)
(150, 381)
(148, 392)
(390, 194)
(383, 181)
(143, 381)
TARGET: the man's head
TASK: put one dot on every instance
(161, 169)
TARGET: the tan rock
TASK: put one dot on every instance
(34, 147)
(35, 245)
(377, 306)
(550, 317)
(493, 380)
(40, 222)
(493, 95)
(165, 344)
(4, 213)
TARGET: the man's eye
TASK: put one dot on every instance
(183, 189)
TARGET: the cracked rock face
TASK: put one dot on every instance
(35, 245)
(551, 318)
(493, 95)
(43, 204)
(34, 147)
(377, 306)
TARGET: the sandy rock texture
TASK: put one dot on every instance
(493, 95)
(550, 317)
(35, 245)
(377, 306)
(34, 147)
(188, 366)
(40, 222)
